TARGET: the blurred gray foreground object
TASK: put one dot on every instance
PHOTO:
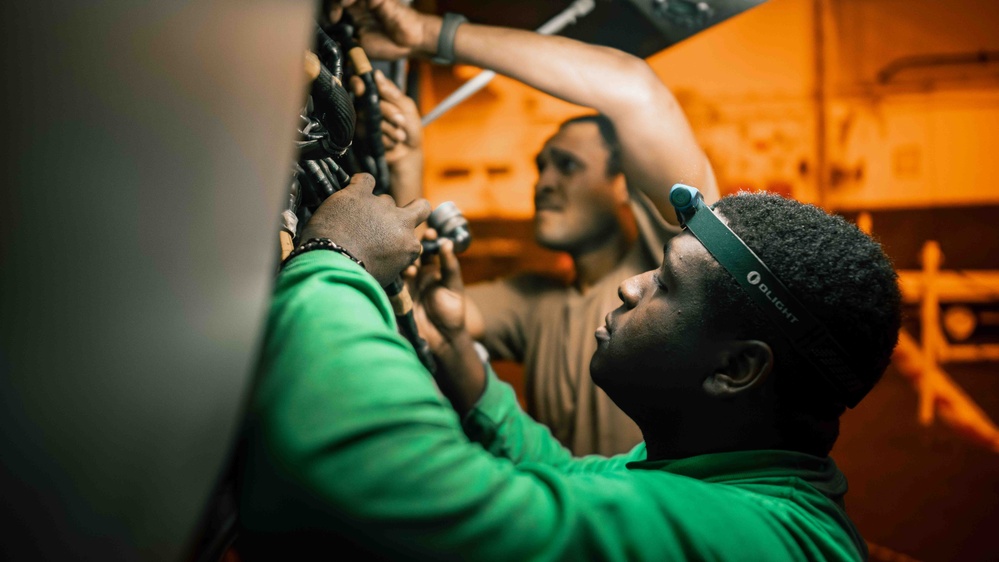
(145, 156)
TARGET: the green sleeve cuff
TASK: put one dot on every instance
(310, 260)
(307, 275)
(496, 403)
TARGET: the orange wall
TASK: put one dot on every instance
(750, 90)
(924, 137)
(481, 154)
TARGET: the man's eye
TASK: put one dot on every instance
(567, 166)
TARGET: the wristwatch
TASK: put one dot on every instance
(445, 41)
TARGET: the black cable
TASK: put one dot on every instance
(334, 110)
(374, 157)
(318, 177)
(402, 303)
(329, 53)
(338, 173)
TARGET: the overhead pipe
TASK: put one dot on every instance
(566, 17)
(890, 70)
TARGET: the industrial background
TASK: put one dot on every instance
(145, 160)
(885, 111)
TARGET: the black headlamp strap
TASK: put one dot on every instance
(805, 333)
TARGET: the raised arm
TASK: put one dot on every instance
(658, 145)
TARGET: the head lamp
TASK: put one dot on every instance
(806, 334)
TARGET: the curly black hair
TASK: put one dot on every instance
(609, 135)
(841, 275)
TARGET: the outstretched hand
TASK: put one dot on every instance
(390, 30)
(440, 315)
(335, 9)
(402, 132)
(440, 310)
(371, 227)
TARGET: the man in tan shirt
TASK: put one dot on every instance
(583, 209)
(601, 196)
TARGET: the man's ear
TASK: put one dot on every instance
(620, 190)
(746, 365)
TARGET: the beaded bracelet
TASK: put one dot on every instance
(321, 244)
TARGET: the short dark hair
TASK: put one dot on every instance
(841, 275)
(609, 135)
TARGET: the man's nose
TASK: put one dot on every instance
(630, 291)
(546, 180)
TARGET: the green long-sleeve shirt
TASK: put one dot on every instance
(351, 445)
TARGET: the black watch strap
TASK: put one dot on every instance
(445, 41)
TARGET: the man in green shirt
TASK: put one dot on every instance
(600, 197)
(353, 447)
